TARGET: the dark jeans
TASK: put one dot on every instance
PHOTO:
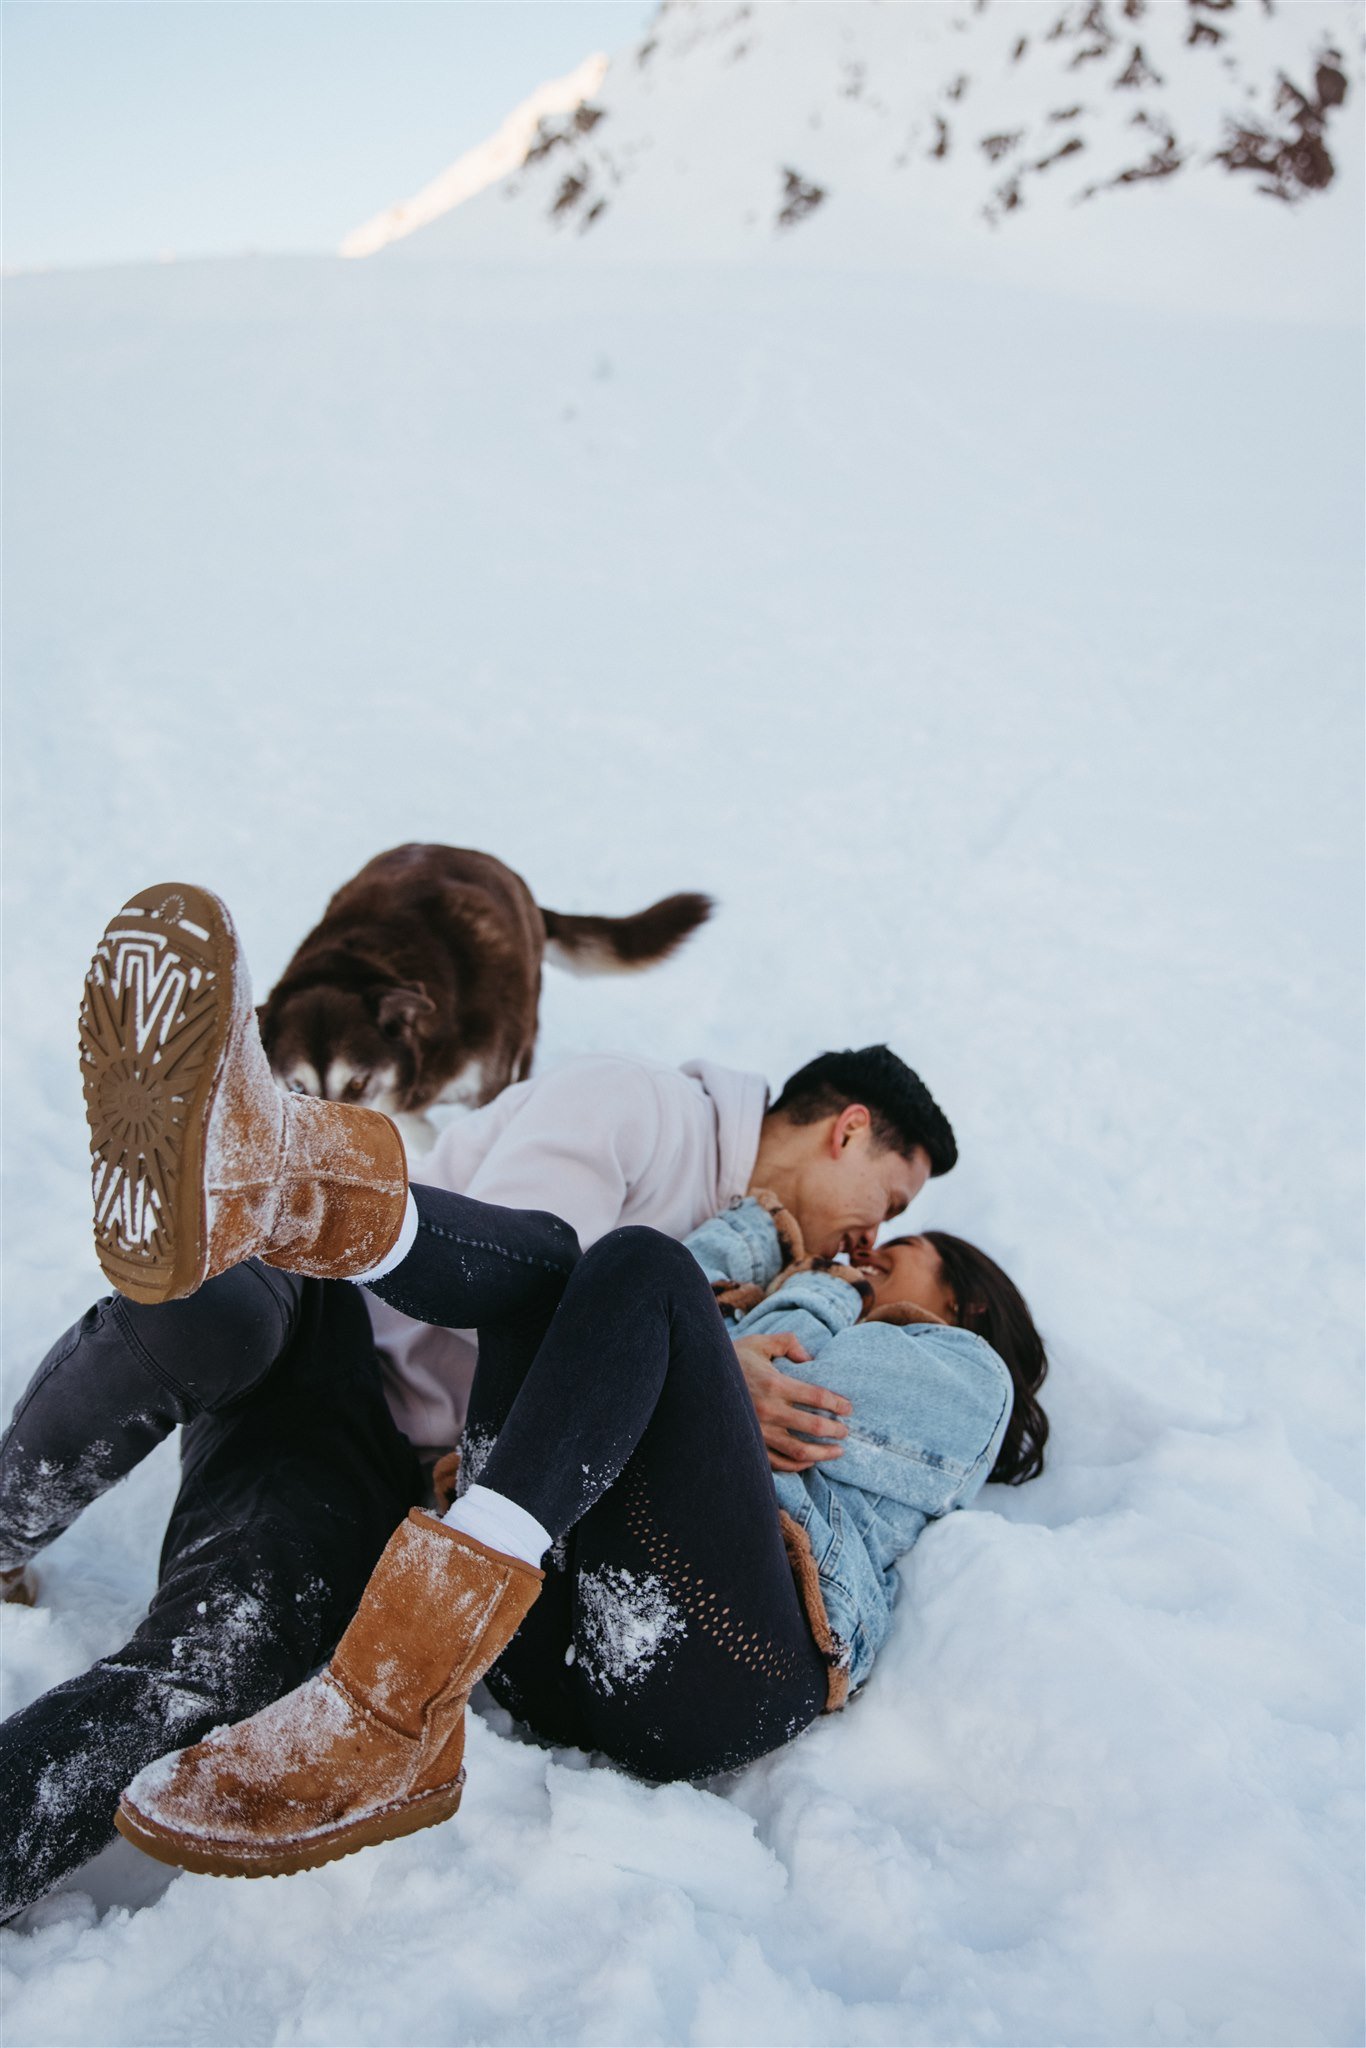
(293, 1478)
(607, 1402)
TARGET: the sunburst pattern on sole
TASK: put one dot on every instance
(158, 1006)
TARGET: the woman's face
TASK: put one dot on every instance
(909, 1271)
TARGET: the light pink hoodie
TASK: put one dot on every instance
(599, 1141)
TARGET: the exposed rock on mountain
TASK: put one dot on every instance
(876, 133)
(520, 139)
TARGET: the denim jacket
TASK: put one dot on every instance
(930, 1406)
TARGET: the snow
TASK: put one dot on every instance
(992, 138)
(993, 655)
(626, 1622)
(290, 1729)
(482, 166)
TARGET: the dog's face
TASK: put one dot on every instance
(349, 1045)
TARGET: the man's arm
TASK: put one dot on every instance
(784, 1406)
(796, 1322)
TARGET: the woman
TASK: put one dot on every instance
(678, 1625)
(916, 1401)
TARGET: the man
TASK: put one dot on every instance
(294, 1473)
(604, 1141)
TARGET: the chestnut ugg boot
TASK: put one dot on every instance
(370, 1748)
(198, 1160)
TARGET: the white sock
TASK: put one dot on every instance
(398, 1251)
(494, 1519)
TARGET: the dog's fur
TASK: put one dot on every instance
(422, 982)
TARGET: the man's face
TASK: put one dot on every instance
(852, 1187)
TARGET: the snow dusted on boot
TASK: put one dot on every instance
(286, 1730)
(210, 1808)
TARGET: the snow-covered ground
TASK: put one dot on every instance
(994, 658)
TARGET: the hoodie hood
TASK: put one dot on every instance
(739, 1100)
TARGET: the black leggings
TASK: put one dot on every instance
(608, 1403)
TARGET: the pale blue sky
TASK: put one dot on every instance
(134, 128)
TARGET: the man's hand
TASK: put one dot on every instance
(783, 1404)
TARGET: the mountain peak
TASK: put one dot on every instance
(873, 133)
(505, 151)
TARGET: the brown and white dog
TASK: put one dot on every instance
(422, 982)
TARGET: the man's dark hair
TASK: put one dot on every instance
(904, 1113)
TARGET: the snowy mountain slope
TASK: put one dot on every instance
(505, 151)
(1118, 145)
(1006, 692)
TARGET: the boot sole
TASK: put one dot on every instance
(214, 1859)
(157, 1011)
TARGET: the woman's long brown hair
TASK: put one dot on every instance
(991, 1305)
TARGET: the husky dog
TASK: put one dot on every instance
(421, 984)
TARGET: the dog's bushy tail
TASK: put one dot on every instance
(619, 945)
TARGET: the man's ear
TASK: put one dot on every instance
(400, 1007)
(853, 1118)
